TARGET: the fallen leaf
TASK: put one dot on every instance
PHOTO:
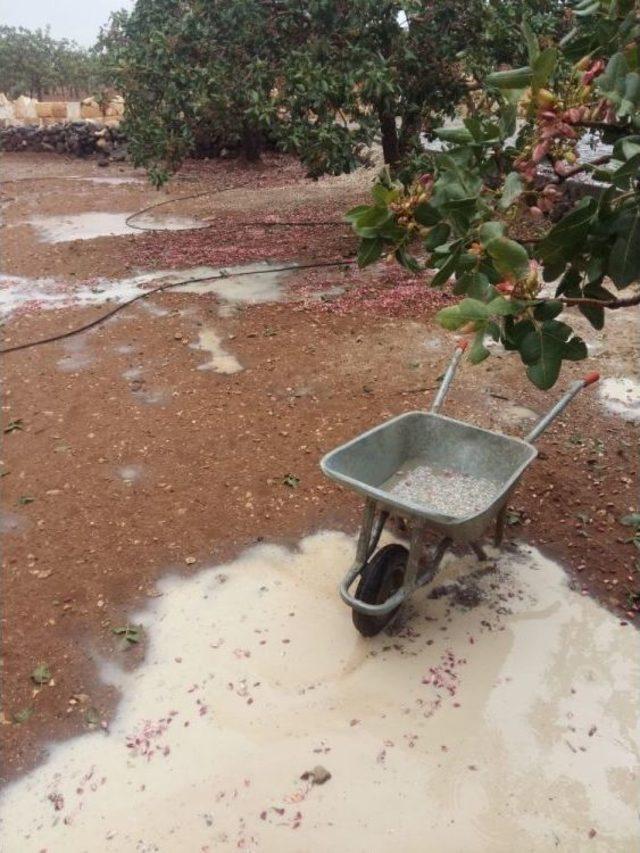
(22, 716)
(41, 674)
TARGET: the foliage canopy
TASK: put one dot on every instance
(33, 63)
(320, 78)
(508, 165)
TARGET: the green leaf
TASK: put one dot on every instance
(594, 314)
(631, 97)
(41, 674)
(129, 634)
(472, 309)
(548, 310)
(438, 235)
(501, 307)
(457, 135)
(356, 212)
(531, 40)
(446, 270)
(22, 715)
(92, 716)
(544, 67)
(373, 217)
(509, 258)
(566, 238)
(478, 352)
(624, 260)
(612, 81)
(474, 284)
(489, 231)
(291, 481)
(626, 173)
(407, 260)
(512, 189)
(370, 251)
(516, 78)
(427, 215)
(449, 318)
(543, 350)
(384, 195)
(575, 350)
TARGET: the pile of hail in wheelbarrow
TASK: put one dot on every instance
(436, 473)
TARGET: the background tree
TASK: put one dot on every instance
(197, 76)
(35, 64)
(320, 78)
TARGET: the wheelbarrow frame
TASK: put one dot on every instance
(422, 566)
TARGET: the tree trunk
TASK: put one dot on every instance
(251, 143)
(409, 134)
(390, 147)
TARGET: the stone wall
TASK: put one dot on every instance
(78, 138)
(26, 111)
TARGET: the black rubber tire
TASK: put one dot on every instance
(381, 577)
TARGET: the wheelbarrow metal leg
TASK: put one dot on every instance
(500, 522)
(433, 564)
(479, 551)
(416, 546)
(370, 531)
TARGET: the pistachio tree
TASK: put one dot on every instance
(492, 214)
(322, 79)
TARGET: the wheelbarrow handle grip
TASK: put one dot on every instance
(561, 405)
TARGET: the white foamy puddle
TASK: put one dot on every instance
(77, 357)
(28, 294)
(130, 473)
(621, 396)
(508, 726)
(513, 414)
(88, 226)
(110, 181)
(219, 359)
(234, 290)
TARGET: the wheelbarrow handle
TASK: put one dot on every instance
(447, 379)
(561, 405)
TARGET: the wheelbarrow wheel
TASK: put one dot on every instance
(381, 577)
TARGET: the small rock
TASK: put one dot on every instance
(318, 776)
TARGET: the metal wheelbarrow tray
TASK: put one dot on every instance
(441, 451)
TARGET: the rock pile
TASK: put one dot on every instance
(79, 138)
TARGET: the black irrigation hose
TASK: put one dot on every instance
(264, 223)
(107, 315)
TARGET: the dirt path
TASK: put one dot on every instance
(125, 460)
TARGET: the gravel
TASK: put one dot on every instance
(442, 490)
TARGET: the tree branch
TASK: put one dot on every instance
(612, 304)
(582, 167)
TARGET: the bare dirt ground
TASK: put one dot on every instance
(122, 460)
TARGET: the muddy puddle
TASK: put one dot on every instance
(501, 715)
(21, 294)
(88, 226)
(621, 396)
(238, 287)
(218, 358)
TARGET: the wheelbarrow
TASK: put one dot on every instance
(435, 473)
